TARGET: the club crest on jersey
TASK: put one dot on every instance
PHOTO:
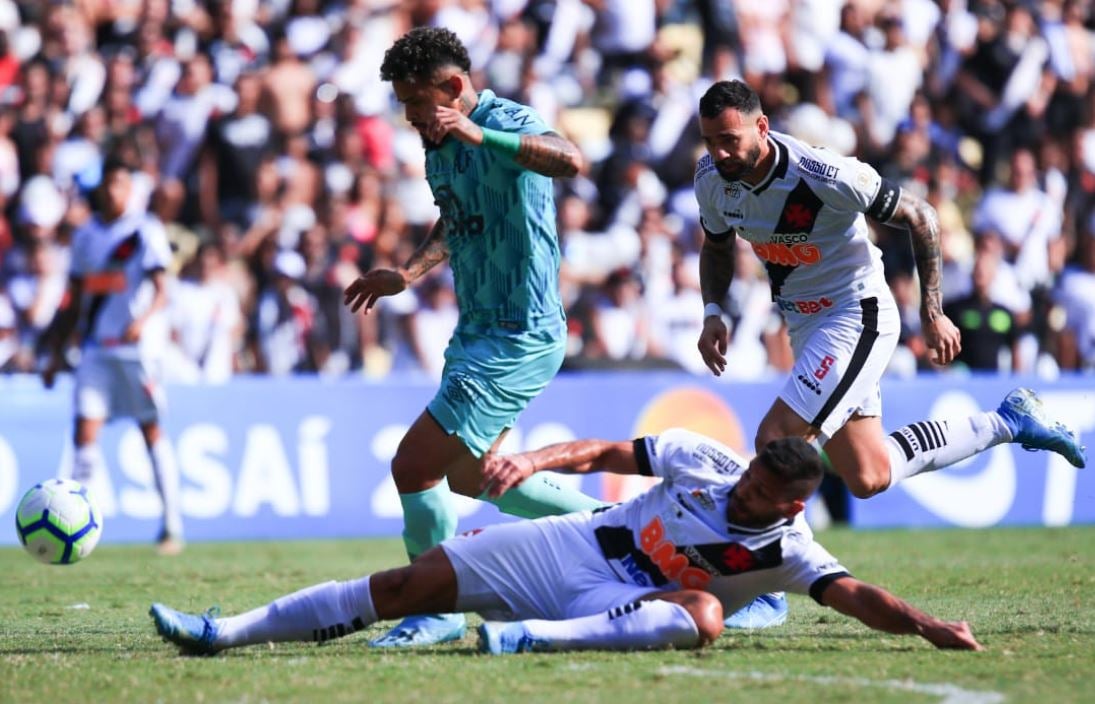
(733, 190)
(738, 558)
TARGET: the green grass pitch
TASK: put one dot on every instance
(1028, 593)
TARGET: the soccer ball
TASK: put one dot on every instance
(58, 523)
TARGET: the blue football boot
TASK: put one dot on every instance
(1031, 427)
(766, 611)
(195, 634)
(423, 630)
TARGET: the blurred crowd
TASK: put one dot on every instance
(282, 167)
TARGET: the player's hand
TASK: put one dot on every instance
(367, 289)
(503, 472)
(447, 121)
(712, 344)
(943, 339)
(132, 332)
(952, 635)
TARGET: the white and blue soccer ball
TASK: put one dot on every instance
(58, 523)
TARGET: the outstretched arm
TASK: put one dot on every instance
(367, 289)
(503, 472)
(716, 273)
(942, 337)
(879, 609)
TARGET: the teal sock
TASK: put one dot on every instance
(428, 518)
(540, 496)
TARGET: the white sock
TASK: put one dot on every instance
(639, 625)
(166, 473)
(318, 613)
(930, 445)
(88, 463)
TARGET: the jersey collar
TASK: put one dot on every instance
(778, 170)
(482, 108)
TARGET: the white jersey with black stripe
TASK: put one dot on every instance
(677, 535)
(805, 220)
(114, 260)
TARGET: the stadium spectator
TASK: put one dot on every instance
(571, 583)
(1075, 294)
(77, 82)
(206, 323)
(990, 332)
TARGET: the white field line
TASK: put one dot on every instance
(947, 693)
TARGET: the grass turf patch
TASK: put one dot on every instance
(1026, 592)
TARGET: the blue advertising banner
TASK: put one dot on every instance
(308, 457)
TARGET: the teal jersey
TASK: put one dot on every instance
(500, 217)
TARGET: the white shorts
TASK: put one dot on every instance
(840, 357)
(110, 387)
(549, 568)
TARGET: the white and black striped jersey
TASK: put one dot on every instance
(677, 535)
(804, 220)
(114, 260)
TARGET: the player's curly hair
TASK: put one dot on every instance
(736, 95)
(795, 463)
(421, 52)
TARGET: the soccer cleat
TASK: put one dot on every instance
(503, 637)
(195, 634)
(1033, 429)
(423, 630)
(766, 611)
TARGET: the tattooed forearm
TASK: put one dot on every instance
(716, 269)
(431, 253)
(923, 223)
(549, 154)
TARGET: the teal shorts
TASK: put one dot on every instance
(488, 380)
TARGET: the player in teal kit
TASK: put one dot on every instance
(489, 163)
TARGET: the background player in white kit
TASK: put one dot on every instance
(802, 210)
(658, 570)
(116, 295)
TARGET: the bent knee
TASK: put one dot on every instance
(409, 474)
(706, 612)
(866, 484)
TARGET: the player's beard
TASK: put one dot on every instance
(732, 170)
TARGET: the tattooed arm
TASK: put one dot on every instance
(549, 155)
(429, 254)
(367, 289)
(920, 218)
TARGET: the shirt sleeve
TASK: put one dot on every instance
(808, 567)
(848, 184)
(157, 251)
(516, 118)
(679, 454)
(717, 227)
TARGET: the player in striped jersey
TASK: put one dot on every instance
(116, 295)
(802, 209)
(656, 571)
